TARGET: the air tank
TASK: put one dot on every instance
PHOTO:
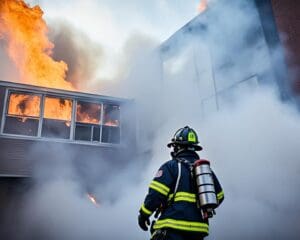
(205, 185)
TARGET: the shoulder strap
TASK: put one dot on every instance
(179, 163)
(170, 201)
(178, 178)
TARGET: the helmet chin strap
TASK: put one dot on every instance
(178, 149)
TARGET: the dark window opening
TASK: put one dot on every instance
(21, 126)
(110, 134)
(96, 134)
(83, 132)
(55, 129)
(87, 132)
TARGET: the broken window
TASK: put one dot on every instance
(22, 115)
(111, 124)
(88, 120)
(57, 117)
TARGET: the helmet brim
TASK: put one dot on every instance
(197, 147)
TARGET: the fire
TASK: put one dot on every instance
(28, 105)
(93, 199)
(88, 112)
(24, 105)
(24, 32)
(58, 109)
(112, 123)
(202, 6)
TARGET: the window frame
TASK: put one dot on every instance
(5, 114)
(74, 118)
(43, 94)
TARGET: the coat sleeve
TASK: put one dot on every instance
(159, 190)
(218, 188)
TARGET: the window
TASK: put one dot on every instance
(23, 112)
(52, 116)
(88, 120)
(57, 118)
(111, 124)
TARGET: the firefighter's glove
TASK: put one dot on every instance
(144, 221)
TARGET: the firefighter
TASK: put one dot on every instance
(180, 217)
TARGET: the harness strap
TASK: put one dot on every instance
(178, 178)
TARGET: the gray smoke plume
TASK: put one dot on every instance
(251, 143)
(82, 55)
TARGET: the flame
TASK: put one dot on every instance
(25, 33)
(28, 105)
(24, 105)
(202, 6)
(58, 109)
(111, 123)
(93, 199)
(88, 112)
(111, 116)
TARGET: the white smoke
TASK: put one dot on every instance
(254, 150)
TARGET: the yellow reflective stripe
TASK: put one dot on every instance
(171, 196)
(220, 195)
(162, 186)
(182, 225)
(185, 199)
(158, 190)
(145, 210)
(184, 196)
(159, 187)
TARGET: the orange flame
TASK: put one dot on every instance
(112, 123)
(24, 105)
(58, 109)
(202, 6)
(25, 33)
(88, 112)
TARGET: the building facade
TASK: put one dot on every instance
(230, 48)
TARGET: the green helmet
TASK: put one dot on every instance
(185, 137)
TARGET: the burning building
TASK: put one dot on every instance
(231, 46)
(46, 122)
(44, 129)
(82, 123)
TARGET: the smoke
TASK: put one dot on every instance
(254, 149)
(82, 55)
(251, 141)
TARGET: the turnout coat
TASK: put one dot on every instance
(179, 212)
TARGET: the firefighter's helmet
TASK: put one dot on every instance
(185, 137)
